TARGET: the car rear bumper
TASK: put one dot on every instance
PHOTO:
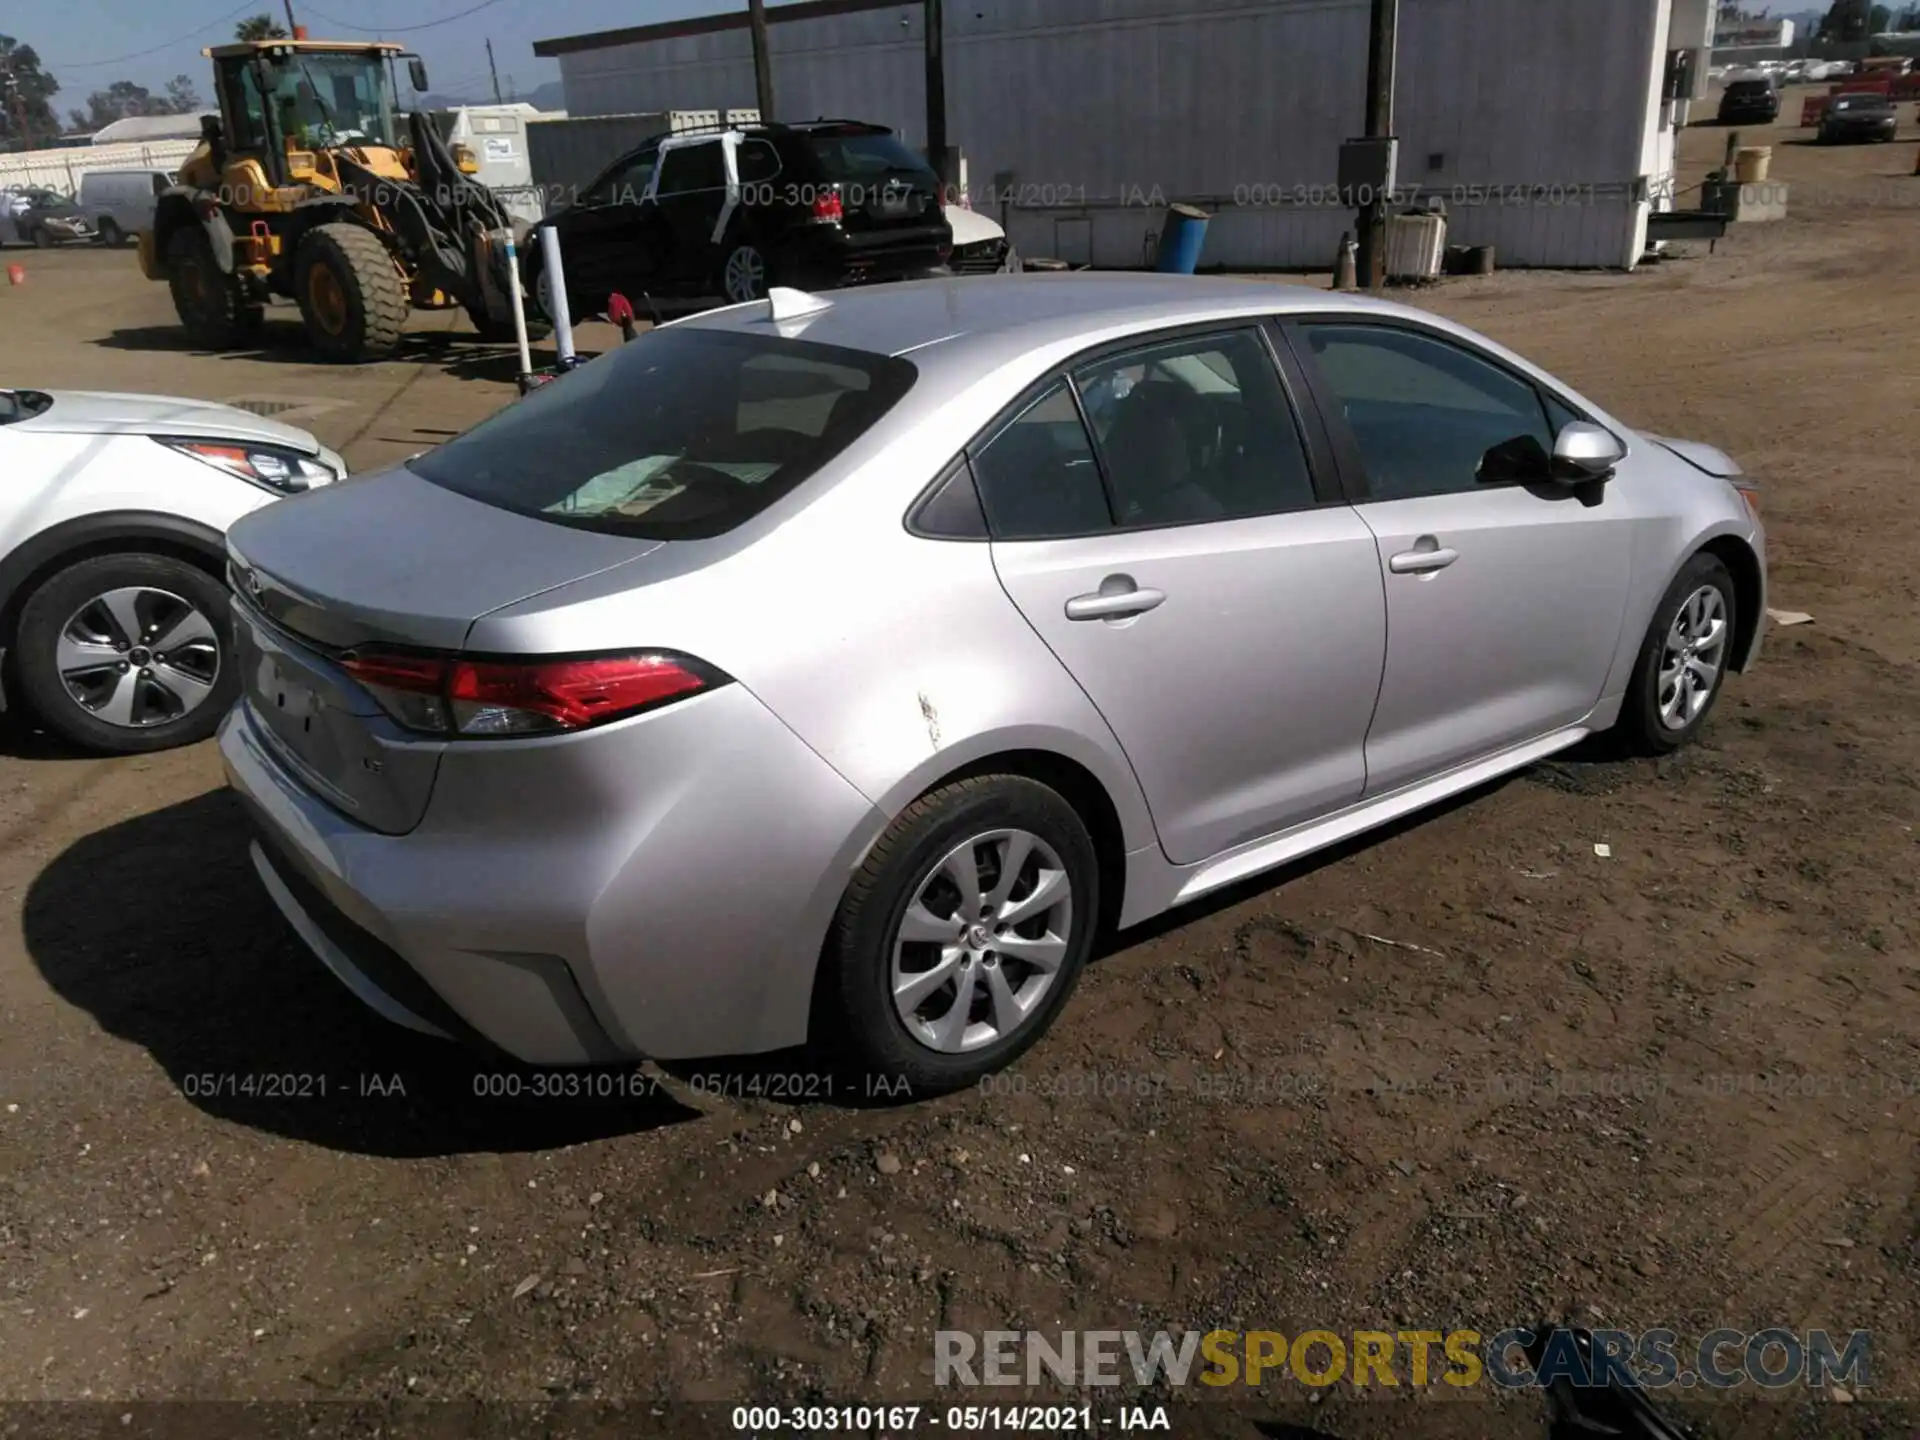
(829, 255)
(658, 888)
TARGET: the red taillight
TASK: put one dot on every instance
(827, 208)
(448, 695)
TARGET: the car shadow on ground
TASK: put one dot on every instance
(463, 356)
(159, 928)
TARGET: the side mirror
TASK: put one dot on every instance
(1583, 452)
(417, 72)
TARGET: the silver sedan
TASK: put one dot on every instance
(838, 669)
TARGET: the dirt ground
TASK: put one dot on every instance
(1468, 1073)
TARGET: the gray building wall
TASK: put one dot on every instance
(1101, 111)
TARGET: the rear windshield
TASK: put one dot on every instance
(1750, 87)
(682, 435)
(868, 156)
(1863, 102)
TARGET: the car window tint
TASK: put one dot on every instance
(757, 161)
(868, 157)
(683, 434)
(693, 167)
(1428, 415)
(626, 182)
(1559, 413)
(1038, 478)
(1197, 429)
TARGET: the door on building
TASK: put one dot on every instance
(1157, 520)
(1444, 448)
(693, 194)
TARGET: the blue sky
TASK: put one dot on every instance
(75, 37)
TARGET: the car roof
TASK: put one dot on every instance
(992, 313)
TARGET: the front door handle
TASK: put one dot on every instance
(1114, 604)
(1422, 562)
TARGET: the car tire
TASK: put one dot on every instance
(81, 613)
(1669, 697)
(975, 824)
(745, 274)
(42, 238)
(111, 235)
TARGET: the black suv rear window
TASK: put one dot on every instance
(1747, 88)
(851, 157)
(682, 435)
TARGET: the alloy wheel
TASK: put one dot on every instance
(137, 657)
(746, 275)
(1693, 658)
(982, 941)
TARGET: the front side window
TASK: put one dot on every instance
(682, 435)
(1430, 417)
(1196, 429)
(1038, 479)
(689, 168)
(625, 183)
(325, 100)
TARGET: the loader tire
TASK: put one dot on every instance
(212, 306)
(350, 295)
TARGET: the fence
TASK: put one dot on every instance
(61, 169)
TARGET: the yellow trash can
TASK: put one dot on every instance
(1750, 166)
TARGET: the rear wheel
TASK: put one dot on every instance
(42, 239)
(111, 234)
(961, 937)
(212, 306)
(128, 653)
(745, 274)
(351, 298)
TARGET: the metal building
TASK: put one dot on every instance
(1546, 126)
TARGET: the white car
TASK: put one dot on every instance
(980, 246)
(114, 627)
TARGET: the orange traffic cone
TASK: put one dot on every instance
(16, 274)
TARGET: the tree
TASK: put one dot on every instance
(25, 90)
(1879, 20)
(259, 27)
(182, 98)
(1847, 20)
(119, 100)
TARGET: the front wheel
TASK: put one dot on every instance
(121, 654)
(1683, 660)
(961, 938)
(42, 238)
(351, 298)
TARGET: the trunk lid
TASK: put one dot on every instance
(389, 559)
(884, 186)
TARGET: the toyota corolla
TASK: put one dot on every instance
(838, 669)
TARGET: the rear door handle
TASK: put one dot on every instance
(1421, 562)
(1114, 604)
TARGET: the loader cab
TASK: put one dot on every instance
(299, 98)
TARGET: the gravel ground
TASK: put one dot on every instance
(1467, 1073)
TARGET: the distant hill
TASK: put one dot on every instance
(550, 96)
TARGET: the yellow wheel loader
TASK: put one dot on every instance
(311, 185)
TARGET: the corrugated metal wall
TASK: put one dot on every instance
(61, 169)
(1102, 110)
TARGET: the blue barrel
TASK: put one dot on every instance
(1180, 240)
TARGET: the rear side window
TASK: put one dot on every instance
(757, 161)
(1037, 478)
(682, 435)
(864, 157)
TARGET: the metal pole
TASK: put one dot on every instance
(292, 28)
(519, 301)
(493, 72)
(762, 66)
(937, 94)
(557, 291)
(1380, 68)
